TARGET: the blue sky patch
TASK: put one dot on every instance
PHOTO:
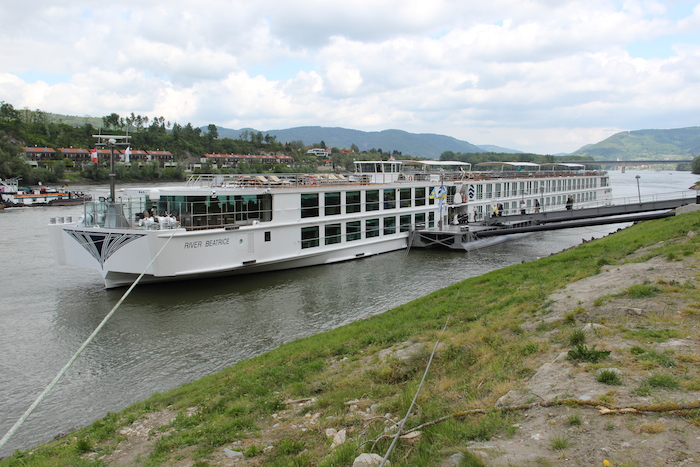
(46, 76)
(285, 69)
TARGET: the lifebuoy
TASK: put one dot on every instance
(410, 178)
(312, 180)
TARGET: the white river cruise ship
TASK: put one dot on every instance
(239, 224)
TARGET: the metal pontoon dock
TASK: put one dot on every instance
(496, 228)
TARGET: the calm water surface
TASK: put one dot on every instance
(165, 335)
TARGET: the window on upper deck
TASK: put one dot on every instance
(353, 202)
(332, 203)
(389, 198)
(309, 205)
(372, 200)
(405, 197)
(419, 196)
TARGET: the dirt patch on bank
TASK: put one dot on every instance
(645, 337)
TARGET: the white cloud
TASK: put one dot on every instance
(537, 75)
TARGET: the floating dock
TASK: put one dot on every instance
(498, 229)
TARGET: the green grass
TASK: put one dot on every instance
(641, 291)
(583, 353)
(609, 377)
(645, 334)
(559, 443)
(577, 337)
(657, 381)
(663, 381)
(574, 420)
(485, 353)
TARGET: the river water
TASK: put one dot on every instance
(165, 335)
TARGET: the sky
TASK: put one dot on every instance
(542, 76)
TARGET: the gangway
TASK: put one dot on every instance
(623, 210)
(618, 207)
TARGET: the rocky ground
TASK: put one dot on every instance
(627, 438)
(646, 336)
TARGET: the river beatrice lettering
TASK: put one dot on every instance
(207, 243)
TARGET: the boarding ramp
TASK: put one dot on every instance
(618, 207)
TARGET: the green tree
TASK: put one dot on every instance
(12, 162)
(695, 165)
(8, 112)
(111, 121)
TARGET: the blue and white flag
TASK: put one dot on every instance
(440, 194)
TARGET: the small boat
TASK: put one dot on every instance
(216, 225)
(12, 195)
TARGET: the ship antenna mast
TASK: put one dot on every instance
(111, 141)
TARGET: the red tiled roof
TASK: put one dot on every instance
(35, 149)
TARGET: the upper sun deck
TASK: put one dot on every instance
(385, 172)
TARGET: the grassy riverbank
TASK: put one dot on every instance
(494, 332)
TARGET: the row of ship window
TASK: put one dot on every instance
(333, 233)
(391, 198)
(507, 189)
(373, 199)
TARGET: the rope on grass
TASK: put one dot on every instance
(413, 402)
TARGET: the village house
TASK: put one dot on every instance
(232, 160)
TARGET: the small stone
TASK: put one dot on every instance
(454, 460)
(339, 438)
(233, 454)
(368, 460)
(330, 432)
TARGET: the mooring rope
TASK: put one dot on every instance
(60, 374)
(413, 402)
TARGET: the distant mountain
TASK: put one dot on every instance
(426, 145)
(680, 143)
(498, 149)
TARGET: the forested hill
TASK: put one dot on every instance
(419, 145)
(679, 143)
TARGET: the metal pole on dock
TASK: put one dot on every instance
(639, 193)
(112, 176)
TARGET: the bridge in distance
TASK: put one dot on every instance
(624, 164)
